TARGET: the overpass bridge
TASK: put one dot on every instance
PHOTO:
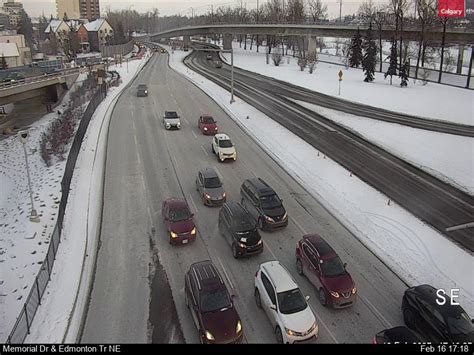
(459, 36)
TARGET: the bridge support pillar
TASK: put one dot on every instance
(227, 41)
(311, 44)
(460, 59)
(52, 94)
(186, 41)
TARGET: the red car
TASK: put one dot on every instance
(179, 221)
(211, 306)
(207, 125)
(324, 269)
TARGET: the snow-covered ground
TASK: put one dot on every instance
(23, 244)
(432, 101)
(445, 156)
(415, 251)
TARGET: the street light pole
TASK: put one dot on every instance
(232, 75)
(34, 215)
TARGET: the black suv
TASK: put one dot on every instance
(397, 335)
(211, 306)
(238, 228)
(262, 202)
(438, 323)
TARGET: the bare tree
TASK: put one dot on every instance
(312, 59)
(317, 10)
(426, 10)
(295, 11)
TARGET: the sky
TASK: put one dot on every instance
(167, 7)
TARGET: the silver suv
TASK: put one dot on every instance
(171, 120)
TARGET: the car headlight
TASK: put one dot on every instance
(193, 232)
(205, 128)
(206, 195)
(285, 216)
(313, 327)
(334, 294)
(168, 125)
(354, 291)
(179, 125)
(289, 332)
(242, 245)
(259, 242)
(238, 327)
(146, 91)
(173, 235)
(269, 219)
(208, 335)
(215, 128)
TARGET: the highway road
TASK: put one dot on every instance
(436, 202)
(139, 273)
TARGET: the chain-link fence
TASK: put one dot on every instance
(23, 323)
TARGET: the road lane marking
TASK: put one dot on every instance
(194, 205)
(376, 311)
(269, 249)
(298, 225)
(320, 321)
(227, 276)
(194, 134)
(204, 150)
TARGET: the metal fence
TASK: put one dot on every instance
(23, 323)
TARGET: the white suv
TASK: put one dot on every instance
(279, 296)
(223, 147)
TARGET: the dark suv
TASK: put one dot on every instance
(239, 229)
(438, 323)
(211, 306)
(259, 199)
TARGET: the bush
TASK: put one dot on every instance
(312, 60)
(302, 63)
(277, 59)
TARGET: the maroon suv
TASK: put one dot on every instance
(207, 125)
(179, 221)
(211, 306)
(322, 266)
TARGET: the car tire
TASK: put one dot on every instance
(322, 297)
(258, 300)
(235, 252)
(409, 318)
(299, 267)
(212, 148)
(260, 223)
(278, 335)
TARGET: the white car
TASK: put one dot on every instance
(171, 120)
(223, 147)
(279, 296)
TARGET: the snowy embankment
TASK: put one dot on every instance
(434, 101)
(412, 249)
(19, 264)
(24, 244)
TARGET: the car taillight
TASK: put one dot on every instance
(374, 341)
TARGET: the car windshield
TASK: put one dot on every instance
(270, 201)
(212, 182)
(225, 143)
(142, 86)
(180, 214)
(291, 301)
(215, 301)
(460, 324)
(171, 114)
(333, 267)
(208, 119)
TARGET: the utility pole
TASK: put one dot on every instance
(340, 10)
(232, 75)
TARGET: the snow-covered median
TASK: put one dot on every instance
(431, 101)
(412, 249)
(54, 316)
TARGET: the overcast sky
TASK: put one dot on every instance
(170, 7)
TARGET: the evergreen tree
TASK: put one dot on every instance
(404, 75)
(3, 63)
(26, 28)
(370, 56)
(355, 58)
(392, 68)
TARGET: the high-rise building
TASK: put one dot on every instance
(78, 9)
(14, 9)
